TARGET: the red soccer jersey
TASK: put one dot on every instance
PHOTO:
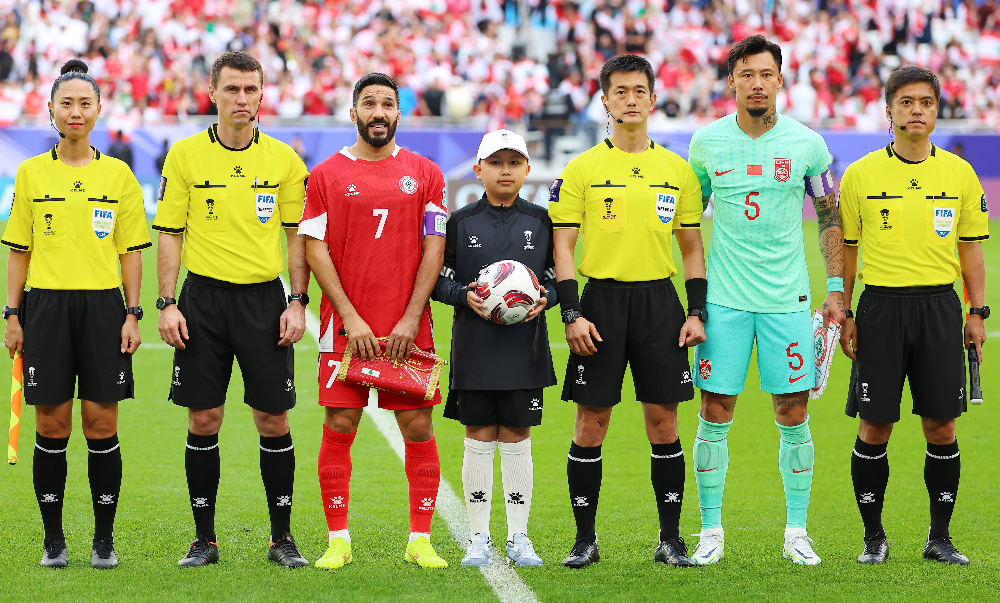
(373, 215)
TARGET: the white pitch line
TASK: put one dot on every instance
(506, 584)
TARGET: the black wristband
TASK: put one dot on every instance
(569, 295)
(697, 293)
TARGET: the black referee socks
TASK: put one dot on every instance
(942, 469)
(666, 468)
(277, 470)
(104, 467)
(584, 470)
(49, 474)
(201, 463)
(870, 473)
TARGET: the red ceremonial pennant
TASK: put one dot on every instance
(755, 170)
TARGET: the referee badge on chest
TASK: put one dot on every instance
(103, 221)
(265, 203)
(944, 221)
(666, 205)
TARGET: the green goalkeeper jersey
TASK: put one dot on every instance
(756, 261)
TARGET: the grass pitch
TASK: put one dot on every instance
(154, 523)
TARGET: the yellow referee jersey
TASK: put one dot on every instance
(75, 221)
(232, 204)
(907, 216)
(627, 205)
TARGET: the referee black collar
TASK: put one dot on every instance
(888, 149)
(607, 141)
(213, 135)
(55, 154)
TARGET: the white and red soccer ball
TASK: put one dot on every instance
(510, 290)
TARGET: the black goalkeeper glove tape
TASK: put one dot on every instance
(569, 295)
(697, 293)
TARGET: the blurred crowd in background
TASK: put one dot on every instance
(527, 64)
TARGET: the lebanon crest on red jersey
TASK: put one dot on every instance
(373, 215)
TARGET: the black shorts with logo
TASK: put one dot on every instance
(640, 323)
(509, 408)
(70, 335)
(914, 333)
(225, 321)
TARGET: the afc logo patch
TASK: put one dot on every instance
(554, 190)
(782, 169)
(704, 368)
(163, 188)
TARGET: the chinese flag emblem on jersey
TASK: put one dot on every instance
(782, 168)
(755, 170)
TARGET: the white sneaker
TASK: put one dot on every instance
(521, 551)
(798, 547)
(479, 551)
(711, 546)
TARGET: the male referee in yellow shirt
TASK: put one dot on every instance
(628, 195)
(231, 190)
(906, 206)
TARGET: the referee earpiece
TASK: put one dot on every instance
(52, 122)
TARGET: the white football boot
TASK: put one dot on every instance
(711, 547)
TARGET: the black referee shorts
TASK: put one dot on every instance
(914, 333)
(70, 335)
(225, 321)
(640, 323)
(510, 408)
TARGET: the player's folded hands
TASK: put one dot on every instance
(173, 327)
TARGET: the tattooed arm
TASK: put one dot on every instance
(831, 245)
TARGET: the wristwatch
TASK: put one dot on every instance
(163, 302)
(984, 312)
(701, 313)
(569, 316)
(302, 298)
(8, 312)
(137, 310)
(849, 313)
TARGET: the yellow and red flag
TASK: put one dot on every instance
(15, 409)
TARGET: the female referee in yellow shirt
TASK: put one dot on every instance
(77, 215)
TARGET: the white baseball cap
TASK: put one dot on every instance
(498, 140)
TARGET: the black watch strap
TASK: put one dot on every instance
(701, 313)
(984, 311)
(849, 313)
(302, 298)
(570, 315)
(8, 311)
(137, 311)
(163, 302)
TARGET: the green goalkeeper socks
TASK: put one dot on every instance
(795, 462)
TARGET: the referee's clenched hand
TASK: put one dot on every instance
(580, 335)
(173, 327)
(130, 334)
(293, 323)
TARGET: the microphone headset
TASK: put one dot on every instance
(894, 123)
(53, 124)
(612, 116)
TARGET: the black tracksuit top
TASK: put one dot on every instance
(486, 355)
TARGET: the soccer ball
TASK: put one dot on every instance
(510, 290)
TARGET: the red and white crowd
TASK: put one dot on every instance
(462, 57)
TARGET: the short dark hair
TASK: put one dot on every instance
(626, 63)
(909, 75)
(374, 79)
(756, 44)
(74, 69)
(238, 60)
